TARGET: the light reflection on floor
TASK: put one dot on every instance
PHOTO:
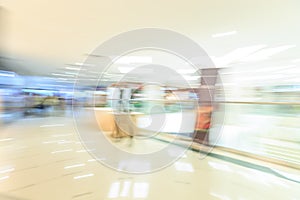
(42, 158)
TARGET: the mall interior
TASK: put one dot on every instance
(131, 99)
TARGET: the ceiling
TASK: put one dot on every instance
(48, 36)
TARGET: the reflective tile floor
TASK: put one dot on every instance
(43, 159)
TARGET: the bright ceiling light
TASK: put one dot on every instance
(72, 68)
(220, 196)
(72, 73)
(3, 178)
(7, 170)
(83, 176)
(133, 59)
(266, 53)
(112, 75)
(66, 75)
(125, 70)
(74, 166)
(236, 55)
(224, 34)
(79, 64)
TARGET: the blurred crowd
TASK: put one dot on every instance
(15, 104)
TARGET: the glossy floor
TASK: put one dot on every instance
(43, 158)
